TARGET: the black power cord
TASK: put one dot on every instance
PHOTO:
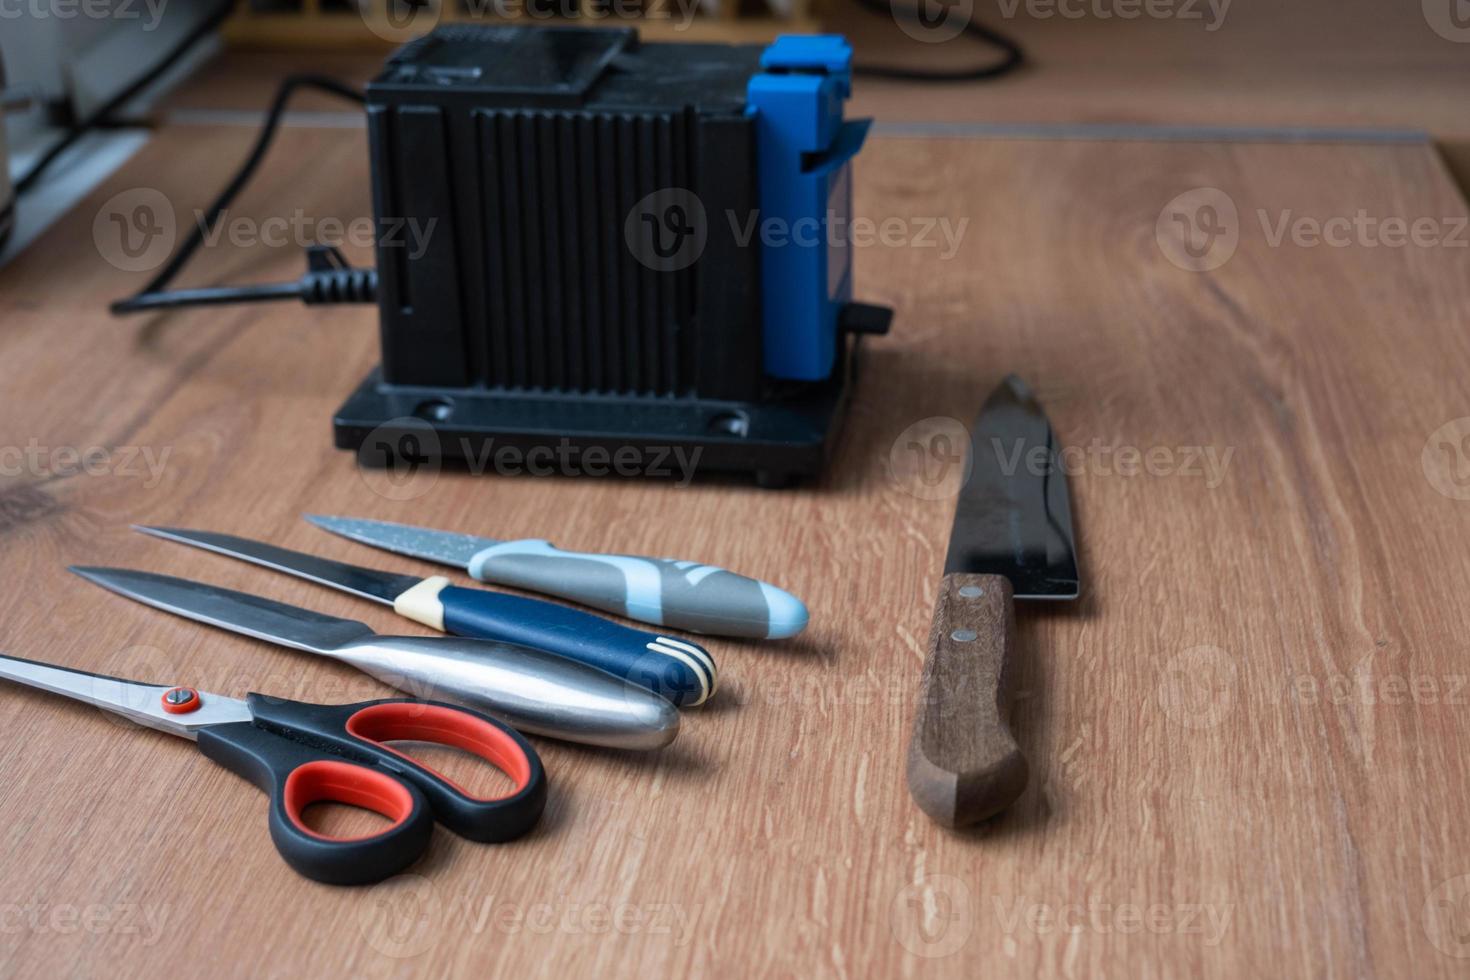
(1012, 56)
(328, 279)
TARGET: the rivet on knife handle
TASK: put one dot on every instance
(964, 765)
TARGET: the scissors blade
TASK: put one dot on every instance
(142, 703)
(444, 547)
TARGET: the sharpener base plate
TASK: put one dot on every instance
(779, 441)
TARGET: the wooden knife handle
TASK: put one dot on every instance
(964, 766)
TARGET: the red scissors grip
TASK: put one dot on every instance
(328, 781)
(408, 721)
(360, 733)
(295, 775)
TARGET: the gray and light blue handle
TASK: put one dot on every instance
(680, 594)
(676, 669)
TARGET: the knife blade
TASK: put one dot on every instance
(528, 689)
(675, 669)
(683, 594)
(1012, 539)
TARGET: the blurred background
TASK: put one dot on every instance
(82, 81)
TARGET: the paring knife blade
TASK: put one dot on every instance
(367, 583)
(528, 689)
(1012, 538)
(683, 594)
(675, 669)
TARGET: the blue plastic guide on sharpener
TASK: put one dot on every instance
(804, 150)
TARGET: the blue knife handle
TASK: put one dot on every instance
(681, 594)
(676, 669)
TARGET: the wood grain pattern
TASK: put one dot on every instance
(1247, 739)
(964, 765)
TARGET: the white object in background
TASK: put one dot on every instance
(7, 192)
(84, 61)
(72, 177)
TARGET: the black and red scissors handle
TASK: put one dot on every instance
(301, 754)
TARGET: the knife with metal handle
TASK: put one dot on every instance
(681, 594)
(529, 690)
(675, 669)
(1012, 538)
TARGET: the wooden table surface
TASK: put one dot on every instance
(1248, 740)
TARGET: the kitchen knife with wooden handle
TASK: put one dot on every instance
(1012, 539)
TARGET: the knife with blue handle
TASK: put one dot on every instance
(676, 669)
(680, 594)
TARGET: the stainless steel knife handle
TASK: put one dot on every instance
(528, 689)
(964, 765)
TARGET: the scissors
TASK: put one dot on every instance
(301, 754)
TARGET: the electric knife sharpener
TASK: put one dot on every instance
(633, 248)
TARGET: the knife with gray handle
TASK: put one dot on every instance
(680, 594)
(1012, 539)
(529, 690)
